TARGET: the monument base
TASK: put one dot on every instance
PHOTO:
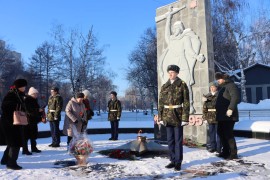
(195, 131)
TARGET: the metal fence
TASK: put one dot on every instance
(255, 113)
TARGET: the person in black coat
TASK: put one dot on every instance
(227, 114)
(13, 133)
(34, 117)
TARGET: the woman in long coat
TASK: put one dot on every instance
(34, 117)
(13, 133)
(75, 116)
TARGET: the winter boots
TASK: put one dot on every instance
(176, 166)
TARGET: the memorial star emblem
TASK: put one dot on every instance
(193, 4)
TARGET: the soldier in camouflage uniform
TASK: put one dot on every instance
(173, 112)
(55, 105)
(209, 114)
(114, 114)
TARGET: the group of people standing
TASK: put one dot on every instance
(17, 136)
(78, 113)
(219, 109)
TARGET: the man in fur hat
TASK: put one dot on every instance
(173, 112)
(227, 114)
(55, 105)
(114, 115)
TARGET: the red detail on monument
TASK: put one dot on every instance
(193, 4)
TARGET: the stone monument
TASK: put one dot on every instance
(184, 38)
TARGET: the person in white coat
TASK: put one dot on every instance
(75, 116)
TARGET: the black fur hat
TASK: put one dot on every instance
(18, 83)
(79, 95)
(114, 93)
(174, 68)
(220, 75)
(56, 89)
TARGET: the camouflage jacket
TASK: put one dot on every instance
(55, 105)
(209, 108)
(114, 108)
(174, 94)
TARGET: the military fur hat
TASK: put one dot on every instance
(114, 93)
(56, 89)
(18, 83)
(220, 75)
(174, 68)
(213, 84)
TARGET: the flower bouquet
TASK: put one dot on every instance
(81, 147)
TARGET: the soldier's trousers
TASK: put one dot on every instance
(175, 143)
(114, 130)
(55, 132)
(214, 138)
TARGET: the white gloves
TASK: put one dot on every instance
(229, 112)
(204, 99)
(118, 118)
(184, 123)
(160, 122)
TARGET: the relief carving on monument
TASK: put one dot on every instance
(183, 49)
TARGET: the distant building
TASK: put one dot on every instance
(257, 82)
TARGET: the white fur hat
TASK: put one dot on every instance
(32, 91)
(86, 93)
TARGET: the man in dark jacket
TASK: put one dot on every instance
(114, 115)
(173, 112)
(227, 114)
(209, 114)
(55, 106)
(13, 101)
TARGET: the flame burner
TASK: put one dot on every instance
(142, 145)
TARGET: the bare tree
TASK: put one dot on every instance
(229, 39)
(91, 59)
(11, 67)
(142, 72)
(259, 40)
(43, 65)
(66, 46)
(82, 60)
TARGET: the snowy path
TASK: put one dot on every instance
(42, 166)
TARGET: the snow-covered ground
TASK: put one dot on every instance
(253, 164)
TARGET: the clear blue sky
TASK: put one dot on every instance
(25, 24)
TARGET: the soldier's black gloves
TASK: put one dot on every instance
(76, 122)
